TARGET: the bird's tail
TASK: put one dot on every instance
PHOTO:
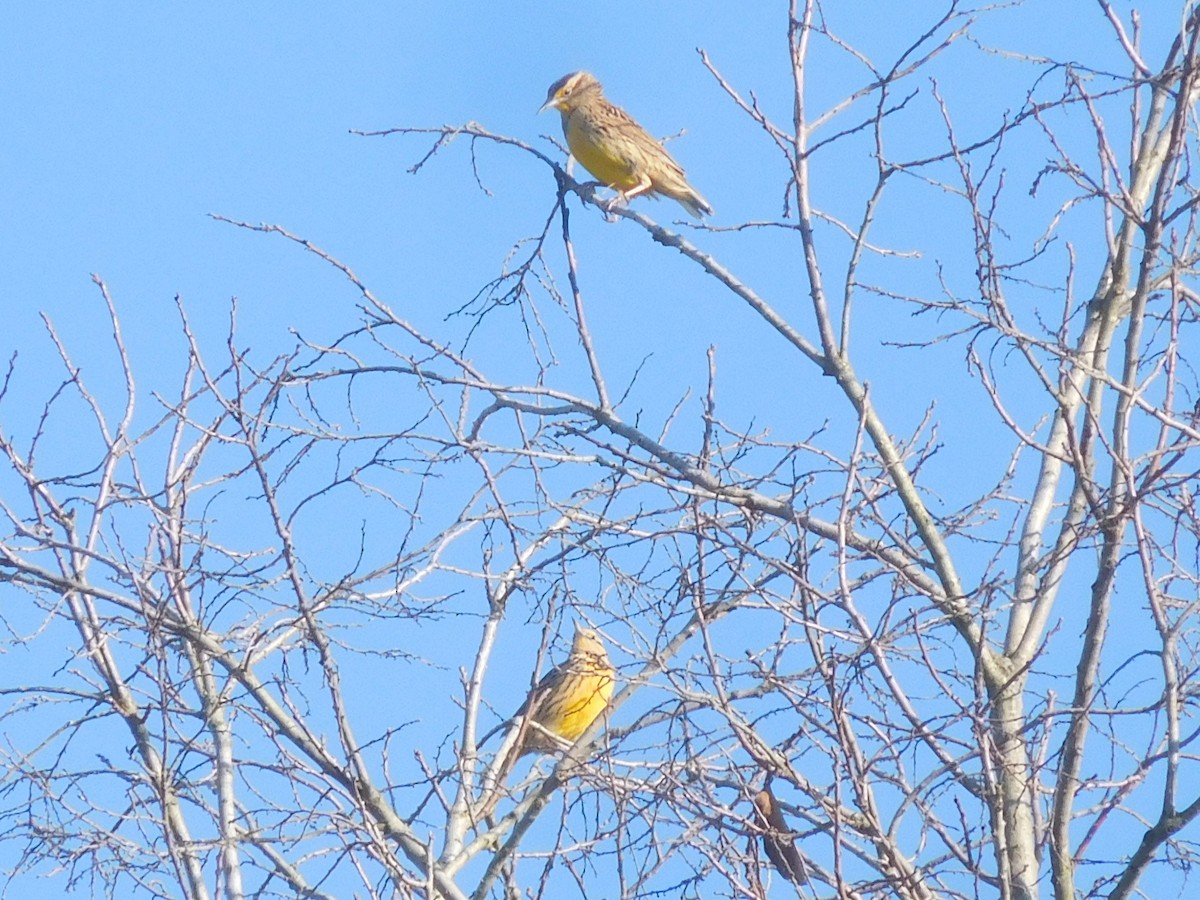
(689, 198)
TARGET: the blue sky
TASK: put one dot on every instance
(124, 125)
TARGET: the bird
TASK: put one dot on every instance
(560, 708)
(616, 149)
(568, 698)
(777, 839)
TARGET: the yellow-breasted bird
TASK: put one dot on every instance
(557, 711)
(778, 841)
(616, 149)
(568, 698)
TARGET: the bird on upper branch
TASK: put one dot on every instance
(616, 149)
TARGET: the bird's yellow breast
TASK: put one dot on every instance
(579, 709)
(596, 153)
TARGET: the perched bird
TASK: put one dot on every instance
(778, 841)
(568, 698)
(614, 148)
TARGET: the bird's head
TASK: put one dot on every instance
(566, 93)
(587, 641)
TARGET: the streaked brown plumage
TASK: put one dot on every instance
(616, 149)
(568, 698)
(778, 841)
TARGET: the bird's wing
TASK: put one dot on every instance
(639, 146)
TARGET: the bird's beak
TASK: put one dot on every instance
(552, 102)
